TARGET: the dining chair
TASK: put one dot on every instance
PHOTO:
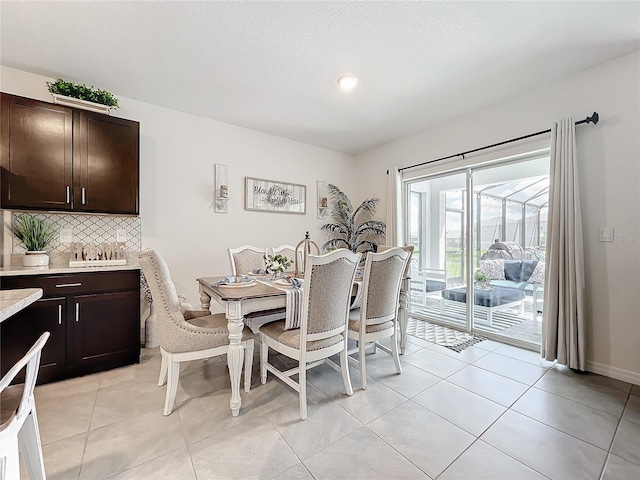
(404, 302)
(377, 317)
(19, 432)
(185, 336)
(288, 251)
(246, 258)
(323, 324)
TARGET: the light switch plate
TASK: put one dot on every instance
(66, 235)
(607, 234)
(121, 235)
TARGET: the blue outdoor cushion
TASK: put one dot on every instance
(519, 270)
(525, 287)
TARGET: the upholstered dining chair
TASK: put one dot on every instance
(377, 317)
(246, 258)
(328, 282)
(182, 340)
(19, 432)
(404, 303)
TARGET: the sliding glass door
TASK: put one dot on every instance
(437, 226)
(480, 234)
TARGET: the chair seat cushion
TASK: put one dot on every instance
(291, 338)
(218, 324)
(354, 326)
(264, 313)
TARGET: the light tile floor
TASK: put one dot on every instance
(491, 412)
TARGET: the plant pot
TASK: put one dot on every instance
(83, 104)
(35, 259)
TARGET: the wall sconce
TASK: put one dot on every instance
(323, 206)
(221, 192)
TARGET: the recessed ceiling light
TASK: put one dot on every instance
(347, 82)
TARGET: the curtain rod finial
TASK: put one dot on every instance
(594, 118)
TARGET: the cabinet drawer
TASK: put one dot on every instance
(74, 283)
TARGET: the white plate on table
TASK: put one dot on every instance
(260, 275)
(283, 283)
(238, 285)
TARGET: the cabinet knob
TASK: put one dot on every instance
(68, 194)
(83, 196)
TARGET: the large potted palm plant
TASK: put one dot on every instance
(352, 229)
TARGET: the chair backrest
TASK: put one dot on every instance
(288, 251)
(174, 333)
(32, 361)
(246, 258)
(328, 282)
(383, 273)
(406, 248)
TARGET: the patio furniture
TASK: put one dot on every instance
(493, 299)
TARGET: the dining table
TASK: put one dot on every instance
(240, 300)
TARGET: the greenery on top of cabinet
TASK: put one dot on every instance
(82, 92)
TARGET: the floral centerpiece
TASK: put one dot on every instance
(276, 264)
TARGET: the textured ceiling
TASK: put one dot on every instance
(272, 66)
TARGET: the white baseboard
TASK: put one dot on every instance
(614, 372)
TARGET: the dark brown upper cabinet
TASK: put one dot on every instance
(37, 154)
(105, 163)
(64, 159)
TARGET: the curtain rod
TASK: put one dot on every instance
(592, 119)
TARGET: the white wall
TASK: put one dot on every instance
(609, 158)
(177, 153)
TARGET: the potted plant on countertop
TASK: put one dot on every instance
(35, 235)
(80, 96)
(352, 229)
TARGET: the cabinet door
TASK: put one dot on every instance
(20, 332)
(106, 163)
(37, 144)
(106, 331)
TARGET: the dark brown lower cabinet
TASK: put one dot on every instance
(20, 332)
(104, 334)
(93, 319)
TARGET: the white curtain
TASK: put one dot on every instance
(394, 203)
(564, 302)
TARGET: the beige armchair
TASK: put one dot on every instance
(183, 340)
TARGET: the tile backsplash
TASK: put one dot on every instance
(88, 229)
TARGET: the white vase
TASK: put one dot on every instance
(35, 259)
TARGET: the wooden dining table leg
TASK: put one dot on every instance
(235, 354)
(205, 300)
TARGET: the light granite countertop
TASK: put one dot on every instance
(59, 263)
(12, 301)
